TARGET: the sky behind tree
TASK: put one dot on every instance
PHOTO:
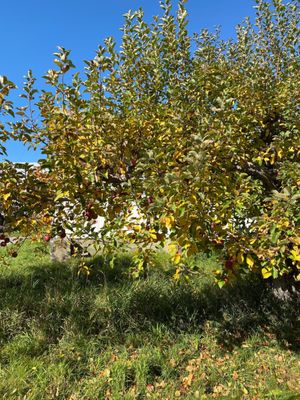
(32, 30)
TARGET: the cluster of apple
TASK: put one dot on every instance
(89, 214)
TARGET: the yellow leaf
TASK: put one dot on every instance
(168, 221)
(296, 240)
(259, 160)
(177, 274)
(60, 195)
(249, 260)
(152, 234)
(272, 159)
(19, 222)
(177, 258)
(177, 154)
(172, 249)
(295, 254)
(266, 273)
(240, 258)
(6, 196)
(193, 198)
(137, 228)
(245, 390)
(47, 219)
(105, 373)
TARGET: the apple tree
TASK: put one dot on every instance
(201, 135)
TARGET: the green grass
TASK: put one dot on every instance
(110, 337)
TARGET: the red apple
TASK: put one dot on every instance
(150, 200)
(229, 263)
(47, 238)
(7, 240)
(3, 244)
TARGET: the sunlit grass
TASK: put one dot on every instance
(108, 336)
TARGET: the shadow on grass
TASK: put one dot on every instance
(109, 305)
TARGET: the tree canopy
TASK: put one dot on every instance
(201, 134)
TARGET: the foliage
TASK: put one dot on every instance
(6, 108)
(201, 134)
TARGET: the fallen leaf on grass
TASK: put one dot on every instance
(187, 380)
(235, 376)
(150, 388)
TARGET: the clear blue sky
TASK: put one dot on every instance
(32, 29)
